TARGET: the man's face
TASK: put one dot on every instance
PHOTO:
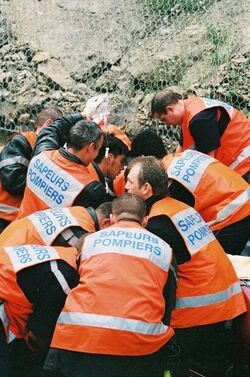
(116, 166)
(168, 118)
(172, 116)
(132, 185)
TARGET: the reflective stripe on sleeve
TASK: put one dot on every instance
(109, 322)
(214, 298)
(59, 276)
(69, 237)
(3, 317)
(231, 207)
(7, 209)
(242, 156)
(14, 160)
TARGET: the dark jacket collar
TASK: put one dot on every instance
(69, 156)
(99, 172)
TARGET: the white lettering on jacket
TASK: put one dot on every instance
(128, 241)
(195, 232)
(51, 222)
(189, 168)
(51, 183)
(28, 255)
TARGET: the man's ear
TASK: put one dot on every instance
(90, 147)
(110, 158)
(48, 122)
(144, 222)
(147, 190)
(105, 223)
(170, 109)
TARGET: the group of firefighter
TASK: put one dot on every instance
(118, 259)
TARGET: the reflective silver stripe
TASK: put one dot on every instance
(109, 322)
(175, 274)
(4, 319)
(14, 160)
(243, 198)
(59, 276)
(69, 237)
(108, 189)
(214, 298)
(8, 209)
(242, 156)
(193, 147)
(73, 240)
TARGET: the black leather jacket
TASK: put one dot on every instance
(14, 161)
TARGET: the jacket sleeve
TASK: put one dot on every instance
(43, 288)
(179, 192)
(56, 135)
(163, 227)
(69, 236)
(204, 128)
(169, 292)
(14, 163)
(92, 195)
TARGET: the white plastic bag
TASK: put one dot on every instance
(97, 109)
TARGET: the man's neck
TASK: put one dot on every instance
(129, 220)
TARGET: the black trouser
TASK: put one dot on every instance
(24, 362)
(5, 363)
(68, 363)
(208, 349)
(233, 238)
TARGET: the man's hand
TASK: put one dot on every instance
(36, 343)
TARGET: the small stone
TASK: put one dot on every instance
(24, 118)
(40, 57)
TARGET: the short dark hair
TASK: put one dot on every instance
(131, 204)
(84, 132)
(164, 98)
(152, 171)
(105, 209)
(115, 145)
(47, 113)
(148, 143)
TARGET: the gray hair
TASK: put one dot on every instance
(84, 132)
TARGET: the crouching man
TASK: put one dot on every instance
(34, 283)
(115, 322)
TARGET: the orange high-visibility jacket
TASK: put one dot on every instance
(221, 196)
(14, 306)
(54, 181)
(42, 227)
(9, 204)
(235, 141)
(208, 289)
(118, 306)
